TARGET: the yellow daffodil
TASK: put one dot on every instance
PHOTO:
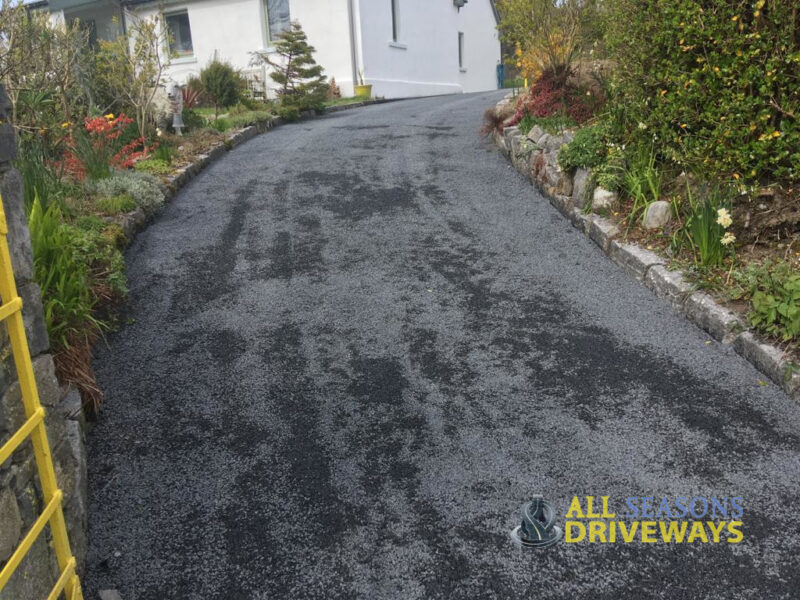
(110, 116)
(776, 134)
(65, 124)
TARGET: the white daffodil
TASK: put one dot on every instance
(727, 239)
(724, 217)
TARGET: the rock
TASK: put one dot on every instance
(657, 215)
(551, 143)
(508, 133)
(580, 187)
(19, 239)
(33, 317)
(109, 595)
(603, 200)
(10, 524)
(535, 134)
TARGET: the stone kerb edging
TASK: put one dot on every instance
(536, 157)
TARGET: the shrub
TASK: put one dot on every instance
(156, 166)
(713, 83)
(221, 84)
(61, 275)
(131, 67)
(288, 113)
(193, 121)
(551, 97)
(249, 118)
(94, 149)
(302, 84)
(142, 187)
(113, 205)
(774, 292)
(555, 124)
(587, 149)
(222, 125)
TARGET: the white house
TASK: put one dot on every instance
(402, 47)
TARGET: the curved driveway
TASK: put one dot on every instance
(358, 344)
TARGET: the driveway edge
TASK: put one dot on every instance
(541, 168)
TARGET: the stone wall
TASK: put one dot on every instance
(20, 493)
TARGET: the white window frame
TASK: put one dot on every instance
(178, 58)
(269, 44)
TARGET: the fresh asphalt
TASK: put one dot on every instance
(357, 345)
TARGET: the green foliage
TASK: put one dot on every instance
(773, 288)
(222, 124)
(588, 149)
(39, 177)
(555, 124)
(288, 113)
(164, 153)
(610, 174)
(705, 230)
(114, 205)
(156, 166)
(714, 84)
(549, 34)
(642, 181)
(513, 83)
(302, 84)
(249, 118)
(221, 84)
(193, 120)
(129, 68)
(142, 187)
(61, 274)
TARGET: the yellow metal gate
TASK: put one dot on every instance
(11, 313)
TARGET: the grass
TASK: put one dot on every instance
(344, 101)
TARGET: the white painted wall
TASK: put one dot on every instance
(424, 60)
(481, 47)
(230, 28)
(234, 29)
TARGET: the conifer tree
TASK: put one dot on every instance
(303, 85)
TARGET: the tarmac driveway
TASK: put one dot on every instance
(359, 344)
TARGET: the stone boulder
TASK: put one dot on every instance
(657, 215)
(604, 200)
(581, 191)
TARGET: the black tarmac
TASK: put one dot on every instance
(358, 345)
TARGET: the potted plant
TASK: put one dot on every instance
(363, 90)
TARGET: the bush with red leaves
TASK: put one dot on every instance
(93, 150)
(550, 96)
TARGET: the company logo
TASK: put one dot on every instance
(538, 529)
(644, 519)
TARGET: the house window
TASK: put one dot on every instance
(277, 18)
(180, 34)
(395, 20)
(460, 50)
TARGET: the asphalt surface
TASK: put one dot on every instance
(359, 344)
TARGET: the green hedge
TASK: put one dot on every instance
(714, 84)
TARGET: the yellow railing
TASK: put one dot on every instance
(11, 312)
